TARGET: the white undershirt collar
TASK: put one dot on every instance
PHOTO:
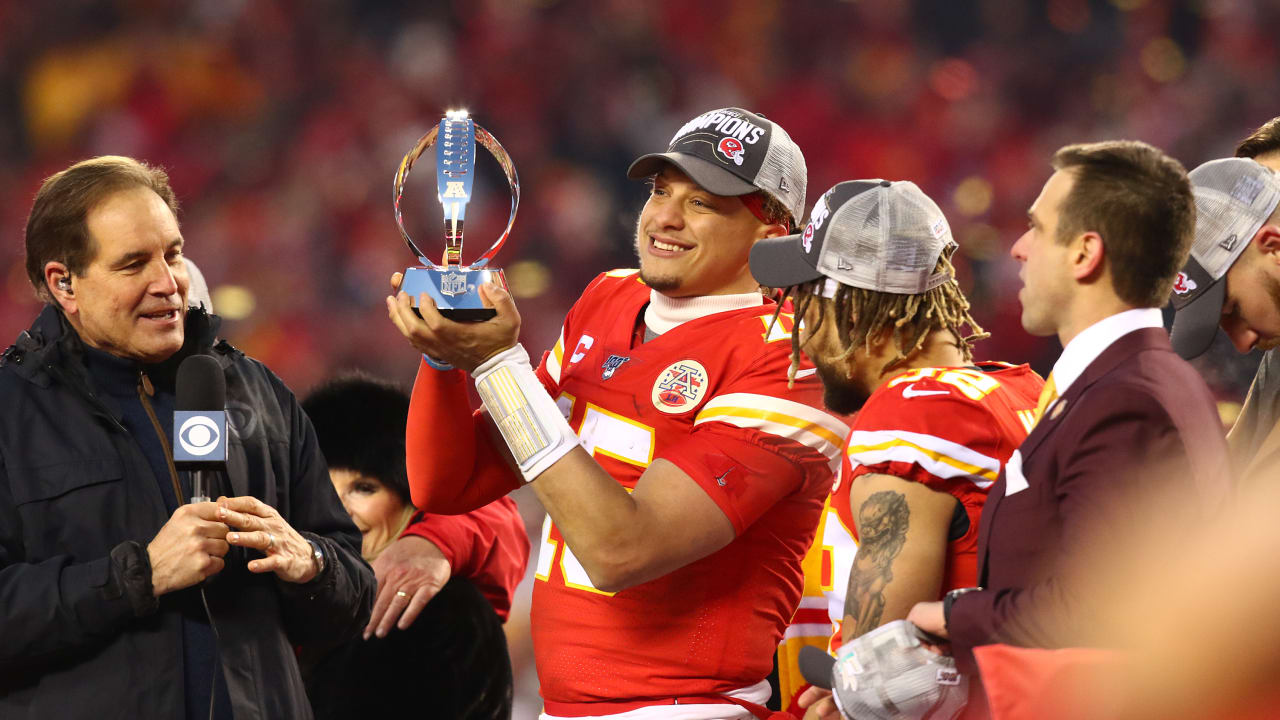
(1095, 339)
(665, 313)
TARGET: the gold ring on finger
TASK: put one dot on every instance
(401, 593)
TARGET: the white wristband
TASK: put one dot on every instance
(531, 424)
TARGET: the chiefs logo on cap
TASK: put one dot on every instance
(1183, 284)
(731, 148)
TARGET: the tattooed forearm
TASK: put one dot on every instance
(882, 529)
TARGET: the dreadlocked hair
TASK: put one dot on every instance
(864, 314)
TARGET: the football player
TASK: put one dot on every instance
(884, 321)
(681, 470)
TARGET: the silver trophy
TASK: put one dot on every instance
(453, 286)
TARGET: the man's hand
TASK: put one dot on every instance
(410, 572)
(188, 548)
(260, 527)
(928, 617)
(463, 345)
(818, 704)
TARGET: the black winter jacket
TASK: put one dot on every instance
(80, 633)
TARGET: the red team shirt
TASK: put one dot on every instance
(951, 429)
(488, 546)
(711, 397)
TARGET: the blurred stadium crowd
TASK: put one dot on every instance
(281, 124)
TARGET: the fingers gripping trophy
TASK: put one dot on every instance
(452, 286)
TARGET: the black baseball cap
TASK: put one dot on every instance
(734, 152)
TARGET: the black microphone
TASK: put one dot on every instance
(200, 422)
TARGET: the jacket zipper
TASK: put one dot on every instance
(144, 394)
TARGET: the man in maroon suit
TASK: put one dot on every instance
(1121, 414)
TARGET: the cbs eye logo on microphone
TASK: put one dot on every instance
(200, 436)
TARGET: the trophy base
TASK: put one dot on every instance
(466, 314)
(455, 290)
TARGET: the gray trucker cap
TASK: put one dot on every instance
(871, 234)
(1234, 198)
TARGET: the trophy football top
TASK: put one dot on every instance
(455, 138)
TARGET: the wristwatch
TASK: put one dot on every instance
(317, 553)
(948, 600)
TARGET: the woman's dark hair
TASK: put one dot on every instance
(360, 423)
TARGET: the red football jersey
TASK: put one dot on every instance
(949, 428)
(710, 396)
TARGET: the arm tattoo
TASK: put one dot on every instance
(882, 528)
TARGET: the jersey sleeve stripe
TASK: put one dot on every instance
(813, 602)
(556, 358)
(939, 457)
(807, 630)
(777, 417)
(825, 425)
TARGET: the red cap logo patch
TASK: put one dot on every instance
(1183, 284)
(731, 148)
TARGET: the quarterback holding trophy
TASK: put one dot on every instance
(681, 473)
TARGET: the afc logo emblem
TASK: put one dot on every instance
(1183, 284)
(680, 387)
(731, 148)
(453, 284)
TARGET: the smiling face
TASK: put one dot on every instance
(1046, 279)
(692, 242)
(131, 300)
(376, 511)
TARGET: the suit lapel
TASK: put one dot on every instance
(1123, 349)
(1112, 358)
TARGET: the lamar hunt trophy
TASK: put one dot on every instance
(453, 286)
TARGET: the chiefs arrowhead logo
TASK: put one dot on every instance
(1183, 284)
(731, 148)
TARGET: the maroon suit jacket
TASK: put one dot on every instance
(1136, 406)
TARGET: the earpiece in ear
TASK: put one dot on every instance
(64, 284)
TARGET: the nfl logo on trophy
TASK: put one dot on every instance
(453, 284)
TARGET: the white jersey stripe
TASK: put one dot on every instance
(813, 602)
(942, 458)
(791, 429)
(783, 418)
(823, 424)
(556, 358)
(809, 630)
